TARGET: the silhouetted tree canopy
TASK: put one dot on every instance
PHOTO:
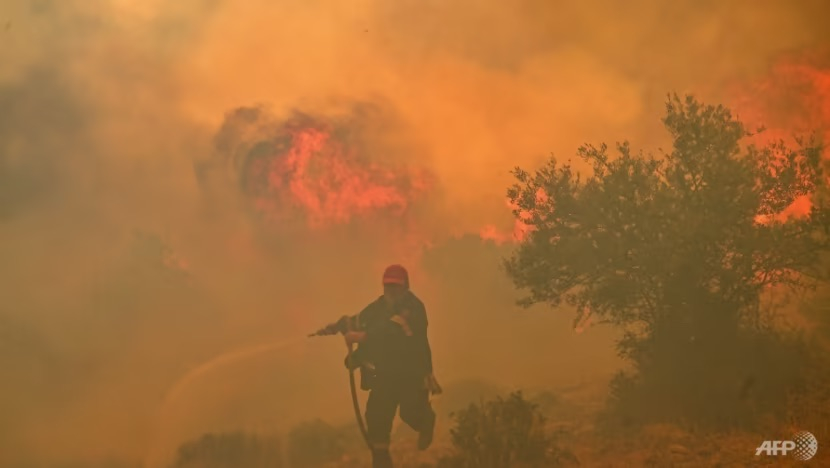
(644, 236)
(677, 250)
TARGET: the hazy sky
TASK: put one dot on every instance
(111, 151)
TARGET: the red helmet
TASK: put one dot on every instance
(396, 274)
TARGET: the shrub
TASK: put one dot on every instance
(230, 450)
(315, 443)
(501, 433)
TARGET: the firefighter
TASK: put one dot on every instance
(395, 362)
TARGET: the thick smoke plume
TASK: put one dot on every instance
(179, 180)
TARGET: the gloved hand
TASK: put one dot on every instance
(353, 337)
(354, 359)
(350, 362)
(340, 326)
(431, 384)
(357, 359)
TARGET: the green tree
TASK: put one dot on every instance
(678, 251)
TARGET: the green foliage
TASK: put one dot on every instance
(678, 251)
(501, 433)
(230, 450)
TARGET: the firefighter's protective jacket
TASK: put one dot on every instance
(396, 345)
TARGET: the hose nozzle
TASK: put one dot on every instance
(340, 326)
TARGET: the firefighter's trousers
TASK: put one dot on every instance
(385, 398)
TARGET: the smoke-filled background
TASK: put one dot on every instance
(180, 180)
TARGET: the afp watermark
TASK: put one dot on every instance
(803, 447)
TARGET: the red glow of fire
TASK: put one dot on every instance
(521, 230)
(175, 261)
(491, 233)
(793, 98)
(329, 184)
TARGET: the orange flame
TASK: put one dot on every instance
(793, 98)
(327, 181)
(521, 230)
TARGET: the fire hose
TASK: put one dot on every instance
(343, 326)
(356, 404)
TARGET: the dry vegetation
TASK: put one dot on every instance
(549, 429)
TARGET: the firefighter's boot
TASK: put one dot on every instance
(426, 432)
(381, 458)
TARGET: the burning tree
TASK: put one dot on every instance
(678, 252)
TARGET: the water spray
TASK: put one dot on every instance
(225, 359)
(342, 326)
